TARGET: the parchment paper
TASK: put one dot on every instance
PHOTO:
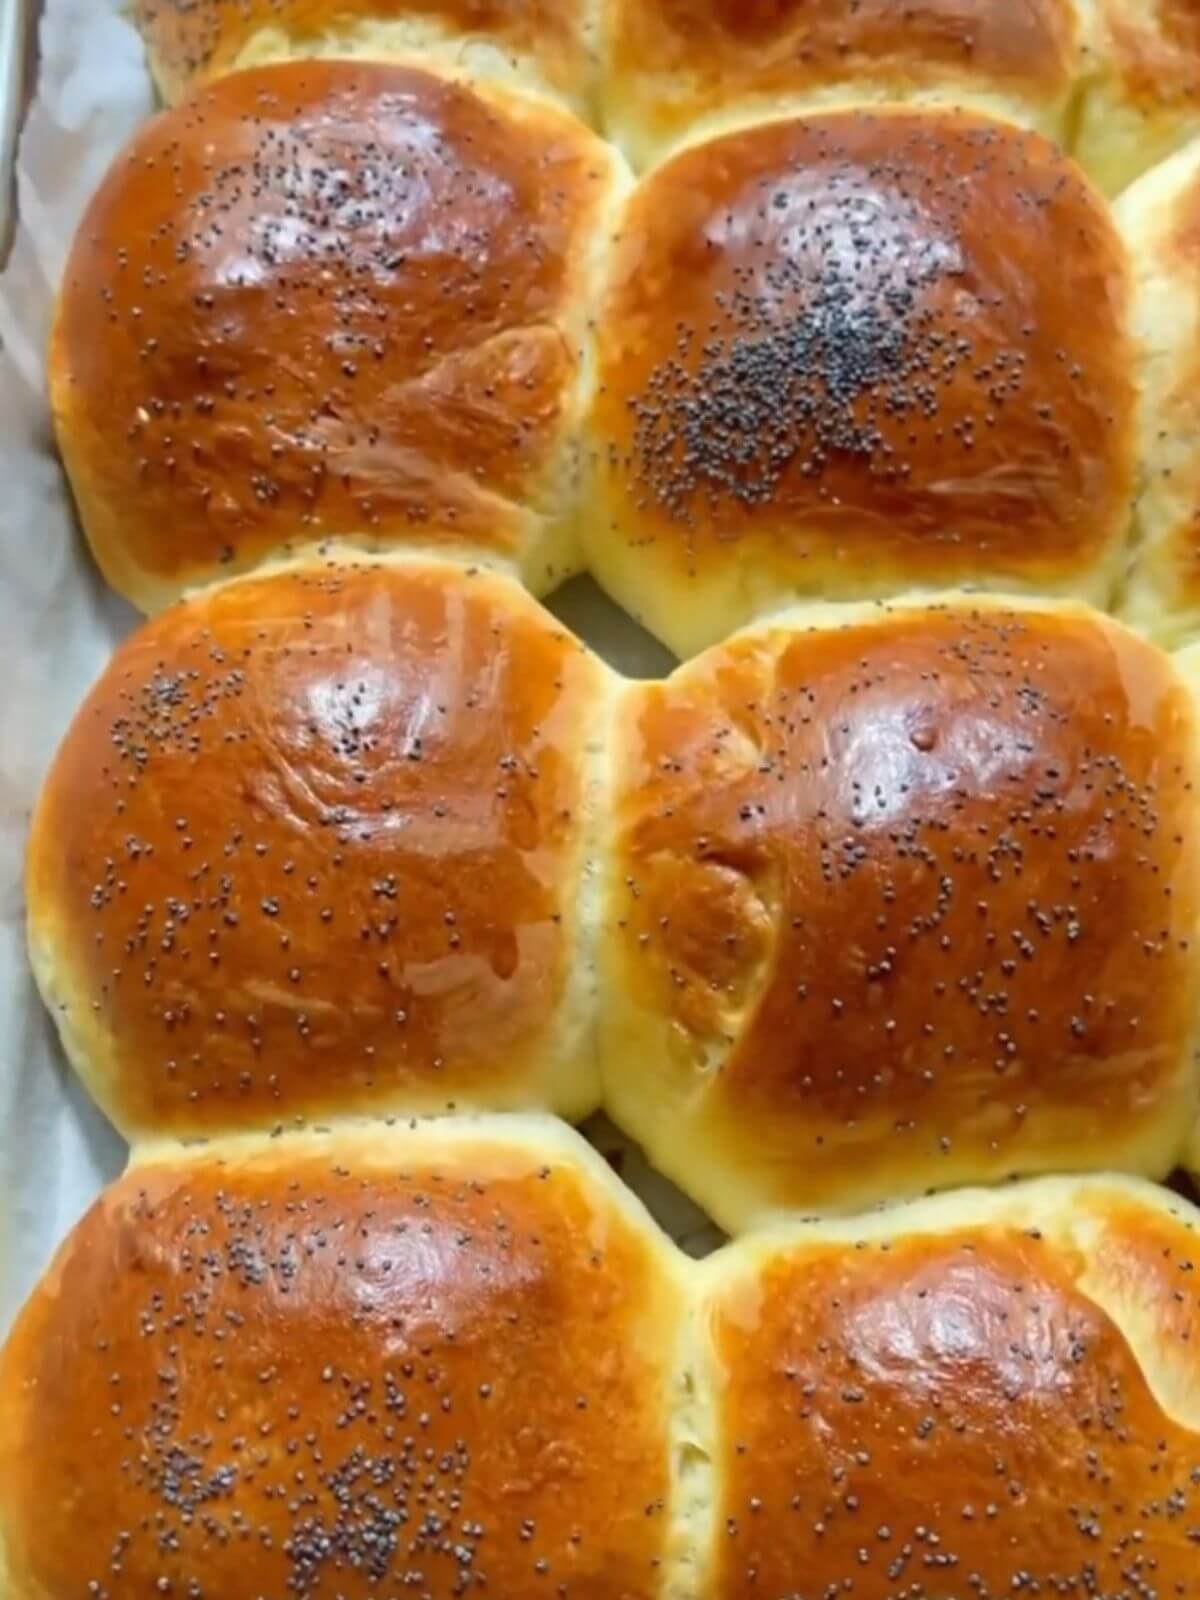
(58, 625)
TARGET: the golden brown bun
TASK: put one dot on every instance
(995, 1394)
(1142, 97)
(673, 63)
(1160, 219)
(900, 898)
(845, 355)
(317, 842)
(450, 1360)
(543, 46)
(330, 300)
(431, 1363)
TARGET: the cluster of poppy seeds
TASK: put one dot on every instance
(918, 877)
(839, 329)
(808, 357)
(332, 1381)
(324, 828)
(914, 885)
(325, 1381)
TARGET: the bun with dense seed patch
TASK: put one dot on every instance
(841, 356)
(381, 1362)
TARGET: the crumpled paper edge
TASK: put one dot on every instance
(58, 624)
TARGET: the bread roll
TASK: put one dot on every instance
(1160, 219)
(848, 355)
(330, 300)
(992, 1394)
(461, 1359)
(539, 46)
(901, 897)
(675, 63)
(1141, 100)
(384, 1363)
(318, 842)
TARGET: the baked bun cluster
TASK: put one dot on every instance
(868, 900)
(850, 346)
(462, 1360)
(1117, 79)
(839, 345)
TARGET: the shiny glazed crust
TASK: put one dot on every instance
(386, 1361)
(671, 64)
(330, 300)
(315, 843)
(992, 1393)
(899, 898)
(842, 355)
(538, 45)
(459, 1357)
(869, 900)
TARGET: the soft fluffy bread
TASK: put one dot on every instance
(671, 64)
(996, 1394)
(326, 300)
(542, 46)
(316, 842)
(434, 1362)
(843, 355)
(903, 897)
(1160, 219)
(459, 1358)
(1141, 99)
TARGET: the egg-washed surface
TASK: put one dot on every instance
(384, 1363)
(329, 299)
(1142, 99)
(1115, 81)
(314, 843)
(899, 899)
(458, 1358)
(843, 355)
(996, 1397)
(540, 44)
(669, 65)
